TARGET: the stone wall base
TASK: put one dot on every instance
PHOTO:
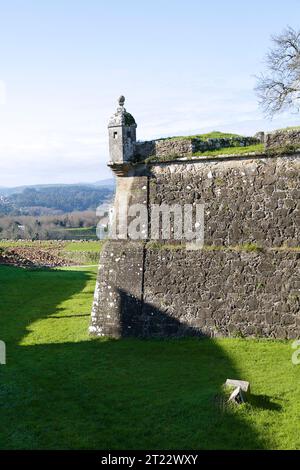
(146, 292)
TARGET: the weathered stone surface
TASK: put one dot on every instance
(283, 138)
(122, 135)
(243, 384)
(118, 294)
(243, 203)
(164, 148)
(243, 297)
(220, 292)
(237, 396)
(186, 147)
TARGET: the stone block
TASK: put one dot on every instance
(237, 396)
(244, 385)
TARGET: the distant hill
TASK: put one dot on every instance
(108, 182)
(7, 191)
(56, 198)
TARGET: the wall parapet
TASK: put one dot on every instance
(245, 280)
(242, 277)
(188, 146)
(283, 138)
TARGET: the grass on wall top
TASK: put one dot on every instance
(234, 151)
(209, 135)
(257, 148)
(290, 128)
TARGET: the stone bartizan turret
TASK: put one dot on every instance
(122, 135)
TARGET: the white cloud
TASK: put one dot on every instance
(59, 141)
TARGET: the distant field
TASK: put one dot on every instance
(85, 233)
(75, 252)
(69, 246)
(257, 148)
(61, 389)
(28, 243)
(84, 253)
(84, 246)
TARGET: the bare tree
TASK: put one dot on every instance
(280, 88)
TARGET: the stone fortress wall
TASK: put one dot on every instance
(283, 138)
(245, 280)
(188, 146)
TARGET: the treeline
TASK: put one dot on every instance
(48, 227)
(59, 198)
(5, 209)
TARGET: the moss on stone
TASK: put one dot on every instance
(257, 149)
(245, 247)
(157, 245)
(129, 119)
(282, 150)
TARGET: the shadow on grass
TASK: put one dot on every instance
(107, 394)
(264, 402)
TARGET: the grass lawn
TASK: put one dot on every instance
(83, 253)
(235, 151)
(89, 246)
(209, 135)
(257, 148)
(77, 252)
(61, 389)
(80, 233)
(27, 243)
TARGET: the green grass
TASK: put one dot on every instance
(28, 243)
(83, 253)
(291, 128)
(88, 233)
(61, 389)
(209, 135)
(247, 247)
(90, 246)
(217, 135)
(156, 245)
(257, 148)
(78, 252)
(79, 229)
(288, 149)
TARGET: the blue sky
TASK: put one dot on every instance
(184, 67)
